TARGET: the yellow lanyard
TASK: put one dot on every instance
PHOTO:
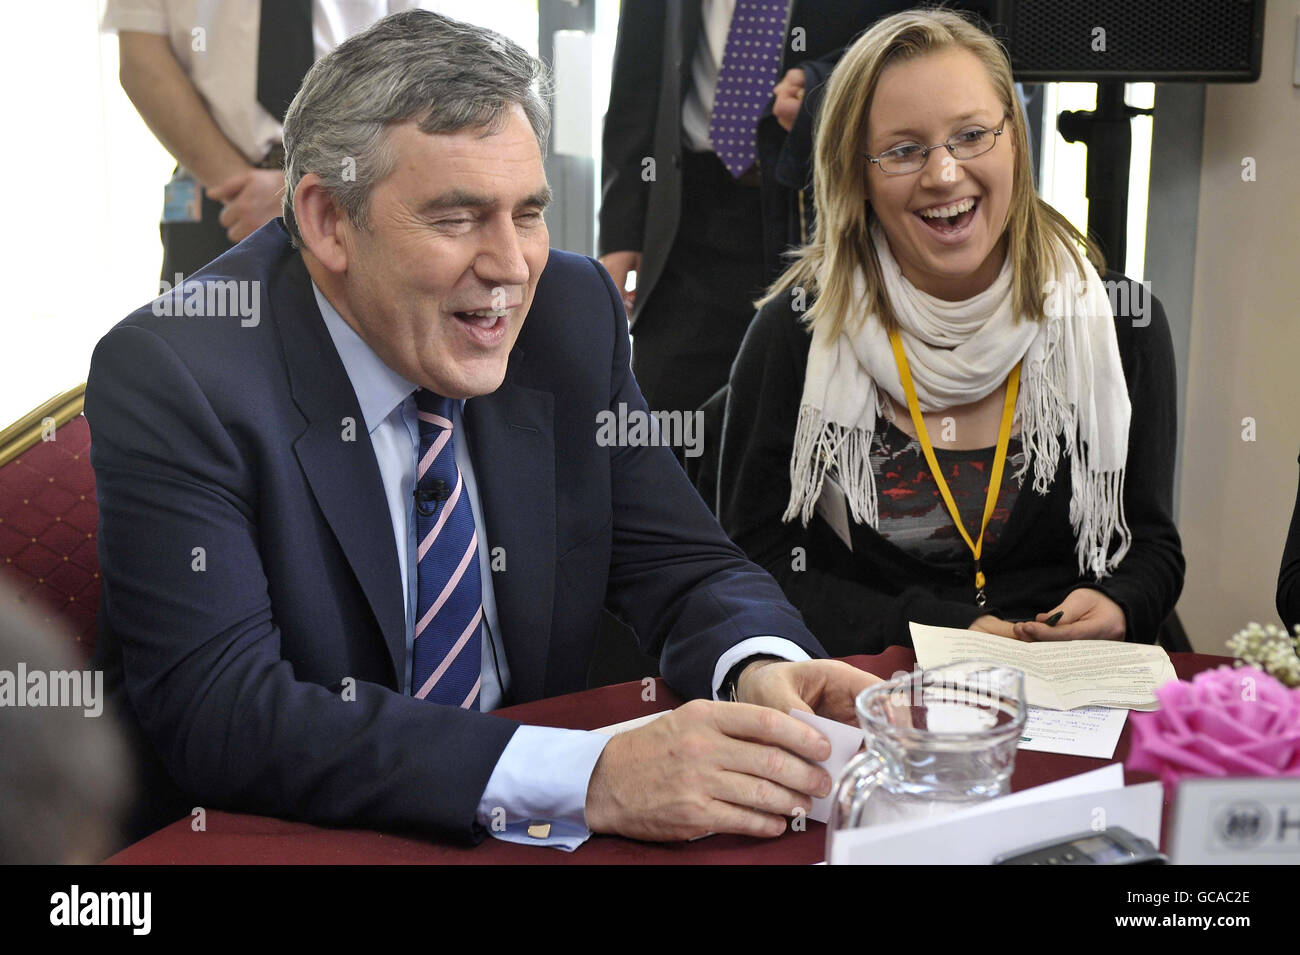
(999, 457)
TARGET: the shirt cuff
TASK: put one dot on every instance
(754, 646)
(540, 783)
(140, 18)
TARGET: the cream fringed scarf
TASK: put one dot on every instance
(1071, 386)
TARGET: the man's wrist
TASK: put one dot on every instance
(745, 652)
(542, 775)
(730, 689)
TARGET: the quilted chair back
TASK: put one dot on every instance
(48, 516)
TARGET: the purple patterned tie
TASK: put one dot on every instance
(755, 44)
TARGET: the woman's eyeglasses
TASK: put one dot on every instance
(911, 157)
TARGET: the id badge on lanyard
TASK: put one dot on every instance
(182, 198)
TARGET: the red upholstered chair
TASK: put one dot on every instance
(48, 516)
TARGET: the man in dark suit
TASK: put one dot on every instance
(267, 441)
(704, 239)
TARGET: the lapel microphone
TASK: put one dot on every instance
(428, 500)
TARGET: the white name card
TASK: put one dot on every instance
(1241, 821)
(978, 834)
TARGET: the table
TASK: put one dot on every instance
(236, 838)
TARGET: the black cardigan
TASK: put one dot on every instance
(861, 601)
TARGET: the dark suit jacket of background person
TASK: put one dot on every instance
(207, 434)
(1288, 578)
(861, 601)
(652, 74)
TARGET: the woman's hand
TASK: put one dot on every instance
(994, 625)
(1086, 614)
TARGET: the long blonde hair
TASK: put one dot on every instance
(841, 242)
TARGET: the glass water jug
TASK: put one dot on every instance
(936, 741)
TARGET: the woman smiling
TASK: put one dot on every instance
(970, 436)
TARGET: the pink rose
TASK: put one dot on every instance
(1226, 722)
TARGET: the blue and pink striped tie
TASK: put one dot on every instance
(448, 652)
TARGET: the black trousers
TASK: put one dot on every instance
(689, 329)
(188, 246)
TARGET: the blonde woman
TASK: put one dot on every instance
(937, 414)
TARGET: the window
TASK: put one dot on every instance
(1063, 165)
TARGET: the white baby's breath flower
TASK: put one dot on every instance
(1270, 648)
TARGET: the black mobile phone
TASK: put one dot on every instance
(1113, 846)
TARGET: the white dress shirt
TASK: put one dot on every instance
(216, 45)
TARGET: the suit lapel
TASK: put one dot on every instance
(338, 460)
(512, 444)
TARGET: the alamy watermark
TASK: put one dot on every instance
(132, 910)
(71, 688)
(1128, 299)
(210, 298)
(635, 428)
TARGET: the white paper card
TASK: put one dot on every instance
(845, 741)
(1061, 675)
(1095, 781)
(965, 839)
(1088, 731)
(1238, 821)
(833, 507)
(1105, 779)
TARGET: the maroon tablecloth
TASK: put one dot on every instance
(235, 838)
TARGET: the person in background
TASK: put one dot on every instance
(970, 436)
(686, 202)
(1288, 578)
(212, 81)
(65, 772)
(704, 225)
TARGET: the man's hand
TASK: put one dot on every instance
(1086, 614)
(252, 199)
(618, 264)
(707, 767)
(824, 687)
(789, 95)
